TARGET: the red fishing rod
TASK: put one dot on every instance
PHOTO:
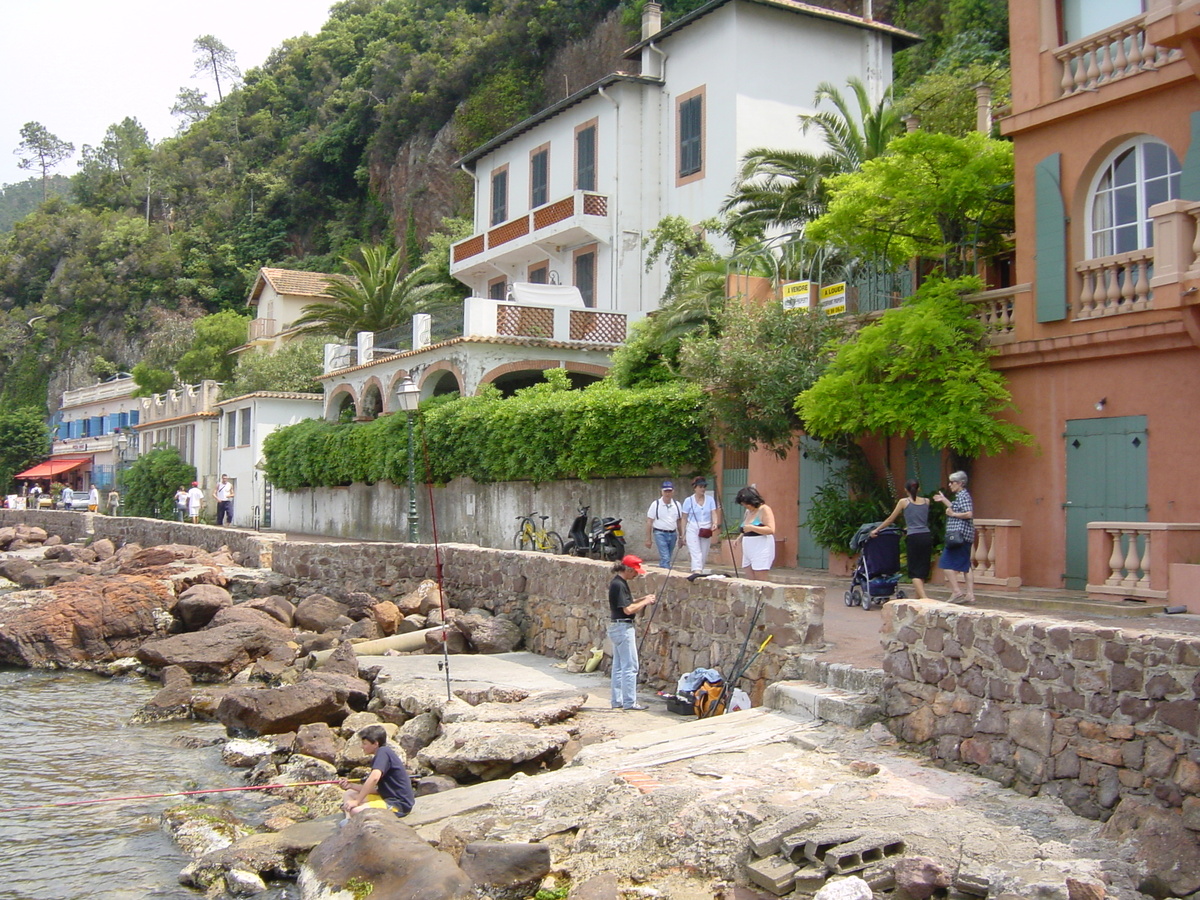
(260, 787)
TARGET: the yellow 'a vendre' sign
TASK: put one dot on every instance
(796, 294)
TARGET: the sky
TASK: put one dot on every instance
(78, 66)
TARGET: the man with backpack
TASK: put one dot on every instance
(662, 524)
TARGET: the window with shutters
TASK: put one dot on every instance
(1139, 174)
(689, 121)
(585, 156)
(539, 274)
(499, 195)
(585, 274)
(539, 176)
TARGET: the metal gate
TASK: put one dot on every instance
(1106, 482)
(814, 472)
(735, 475)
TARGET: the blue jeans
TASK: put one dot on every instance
(664, 543)
(624, 664)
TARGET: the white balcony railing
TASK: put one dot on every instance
(501, 318)
(1109, 56)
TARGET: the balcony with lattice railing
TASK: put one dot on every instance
(580, 217)
(483, 318)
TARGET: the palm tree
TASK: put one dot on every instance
(784, 188)
(378, 296)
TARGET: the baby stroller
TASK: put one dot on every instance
(878, 568)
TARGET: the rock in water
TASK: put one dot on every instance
(80, 623)
(377, 848)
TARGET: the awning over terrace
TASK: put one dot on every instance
(53, 467)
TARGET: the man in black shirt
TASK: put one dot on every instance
(622, 607)
(388, 786)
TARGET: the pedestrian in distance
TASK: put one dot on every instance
(181, 503)
(93, 499)
(757, 535)
(622, 609)
(114, 502)
(662, 524)
(701, 521)
(223, 494)
(388, 786)
(918, 540)
(195, 502)
(960, 536)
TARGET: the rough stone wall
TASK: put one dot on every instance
(1090, 712)
(69, 526)
(561, 603)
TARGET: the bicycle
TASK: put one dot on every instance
(533, 537)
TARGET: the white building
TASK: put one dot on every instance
(86, 429)
(565, 199)
(245, 423)
(186, 419)
(279, 297)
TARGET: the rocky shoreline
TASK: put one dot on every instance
(519, 790)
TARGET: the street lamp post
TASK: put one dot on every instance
(122, 450)
(408, 396)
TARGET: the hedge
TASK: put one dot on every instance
(542, 433)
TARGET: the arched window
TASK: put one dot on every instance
(1139, 174)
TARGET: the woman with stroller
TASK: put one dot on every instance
(918, 538)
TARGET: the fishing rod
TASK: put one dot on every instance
(726, 695)
(260, 787)
(444, 665)
(742, 652)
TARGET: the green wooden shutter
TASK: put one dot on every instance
(1189, 181)
(1050, 226)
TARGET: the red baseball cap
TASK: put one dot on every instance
(635, 563)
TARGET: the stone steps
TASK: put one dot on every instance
(830, 704)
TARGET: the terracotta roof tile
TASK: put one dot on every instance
(293, 282)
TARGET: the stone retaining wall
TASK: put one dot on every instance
(255, 547)
(1090, 712)
(561, 603)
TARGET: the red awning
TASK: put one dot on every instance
(52, 467)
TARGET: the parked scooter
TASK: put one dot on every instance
(596, 537)
(607, 539)
(579, 541)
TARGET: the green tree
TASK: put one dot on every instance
(41, 150)
(944, 99)
(378, 297)
(114, 173)
(150, 380)
(216, 61)
(190, 106)
(151, 481)
(751, 370)
(24, 441)
(293, 367)
(920, 370)
(209, 355)
(785, 189)
(932, 195)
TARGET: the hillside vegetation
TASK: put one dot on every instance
(341, 138)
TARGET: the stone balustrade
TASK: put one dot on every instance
(1120, 52)
(996, 553)
(996, 309)
(1111, 285)
(1132, 559)
(1091, 713)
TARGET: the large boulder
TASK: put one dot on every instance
(490, 634)
(377, 848)
(487, 751)
(506, 871)
(173, 701)
(318, 613)
(161, 555)
(276, 607)
(199, 603)
(273, 855)
(1166, 849)
(218, 653)
(280, 709)
(82, 623)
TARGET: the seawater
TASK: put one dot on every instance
(65, 736)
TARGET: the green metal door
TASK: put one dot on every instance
(923, 463)
(735, 475)
(1106, 482)
(814, 472)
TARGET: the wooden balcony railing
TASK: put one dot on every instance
(261, 328)
(578, 204)
(1099, 59)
